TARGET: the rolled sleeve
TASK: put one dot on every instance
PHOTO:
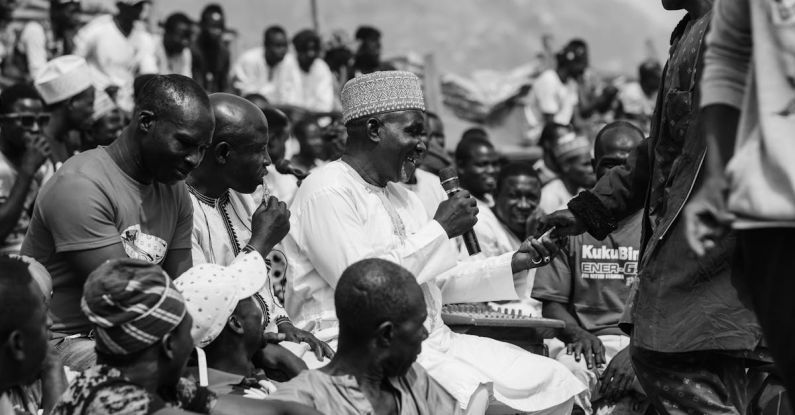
(728, 56)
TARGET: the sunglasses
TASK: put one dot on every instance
(27, 119)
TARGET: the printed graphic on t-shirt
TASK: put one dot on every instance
(139, 245)
(602, 263)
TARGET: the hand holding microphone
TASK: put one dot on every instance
(458, 214)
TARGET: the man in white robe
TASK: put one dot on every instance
(317, 81)
(228, 223)
(353, 208)
(268, 71)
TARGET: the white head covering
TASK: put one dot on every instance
(63, 78)
(381, 92)
(212, 292)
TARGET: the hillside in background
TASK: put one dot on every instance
(466, 34)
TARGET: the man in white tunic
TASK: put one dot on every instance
(229, 225)
(268, 71)
(353, 208)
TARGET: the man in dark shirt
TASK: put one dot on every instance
(691, 334)
(211, 53)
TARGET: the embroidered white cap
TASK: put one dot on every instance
(63, 78)
(381, 92)
(212, 292)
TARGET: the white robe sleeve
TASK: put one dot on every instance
(480, 279)
(333, 236)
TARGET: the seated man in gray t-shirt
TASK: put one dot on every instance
(588, 287)
(381, 311)
(124, 200)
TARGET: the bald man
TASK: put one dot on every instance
(228, 224)
(121, 201)
(588, 286)
(381, 311)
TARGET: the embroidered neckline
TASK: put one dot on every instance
(207, 200)
(219, 204)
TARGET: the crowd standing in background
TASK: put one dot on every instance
(187, 230)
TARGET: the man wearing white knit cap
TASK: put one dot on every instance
(355, 208)
(229, 321)
(64, 84)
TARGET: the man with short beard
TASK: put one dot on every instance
(352, 209)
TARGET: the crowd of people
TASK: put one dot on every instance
(184, 232)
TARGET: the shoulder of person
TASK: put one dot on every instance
(253, 55)
(97, 25)
(32, 28)
(333, 175)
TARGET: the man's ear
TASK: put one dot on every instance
(234, 324)
(385, 333)
(221, 152)
(373, 126)
(16, 345)
(146, 121)
(167, 344)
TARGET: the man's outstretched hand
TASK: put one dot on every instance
(564, 222)
(296, 335)
(707, 218)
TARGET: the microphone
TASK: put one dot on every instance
(449, 180)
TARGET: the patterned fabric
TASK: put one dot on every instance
(571, 144)
(704, 383)
(256, 386)
(132, 304)
(381, 92)
(222, 228)
(212, 292)
(23, 400)
(104, 390)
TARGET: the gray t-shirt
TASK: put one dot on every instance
(592, 277)
(91, 203)
(418, 394)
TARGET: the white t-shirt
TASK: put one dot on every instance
(550, 96)
(115, 58)
(554, 196)
(280, 84)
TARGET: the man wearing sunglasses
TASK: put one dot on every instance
(65, 86)
(23, 161)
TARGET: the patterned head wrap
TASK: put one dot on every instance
(132, 304)
(571, 144)
(381, 92)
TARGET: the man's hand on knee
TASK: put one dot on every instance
(583, 344)
(618, 378)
